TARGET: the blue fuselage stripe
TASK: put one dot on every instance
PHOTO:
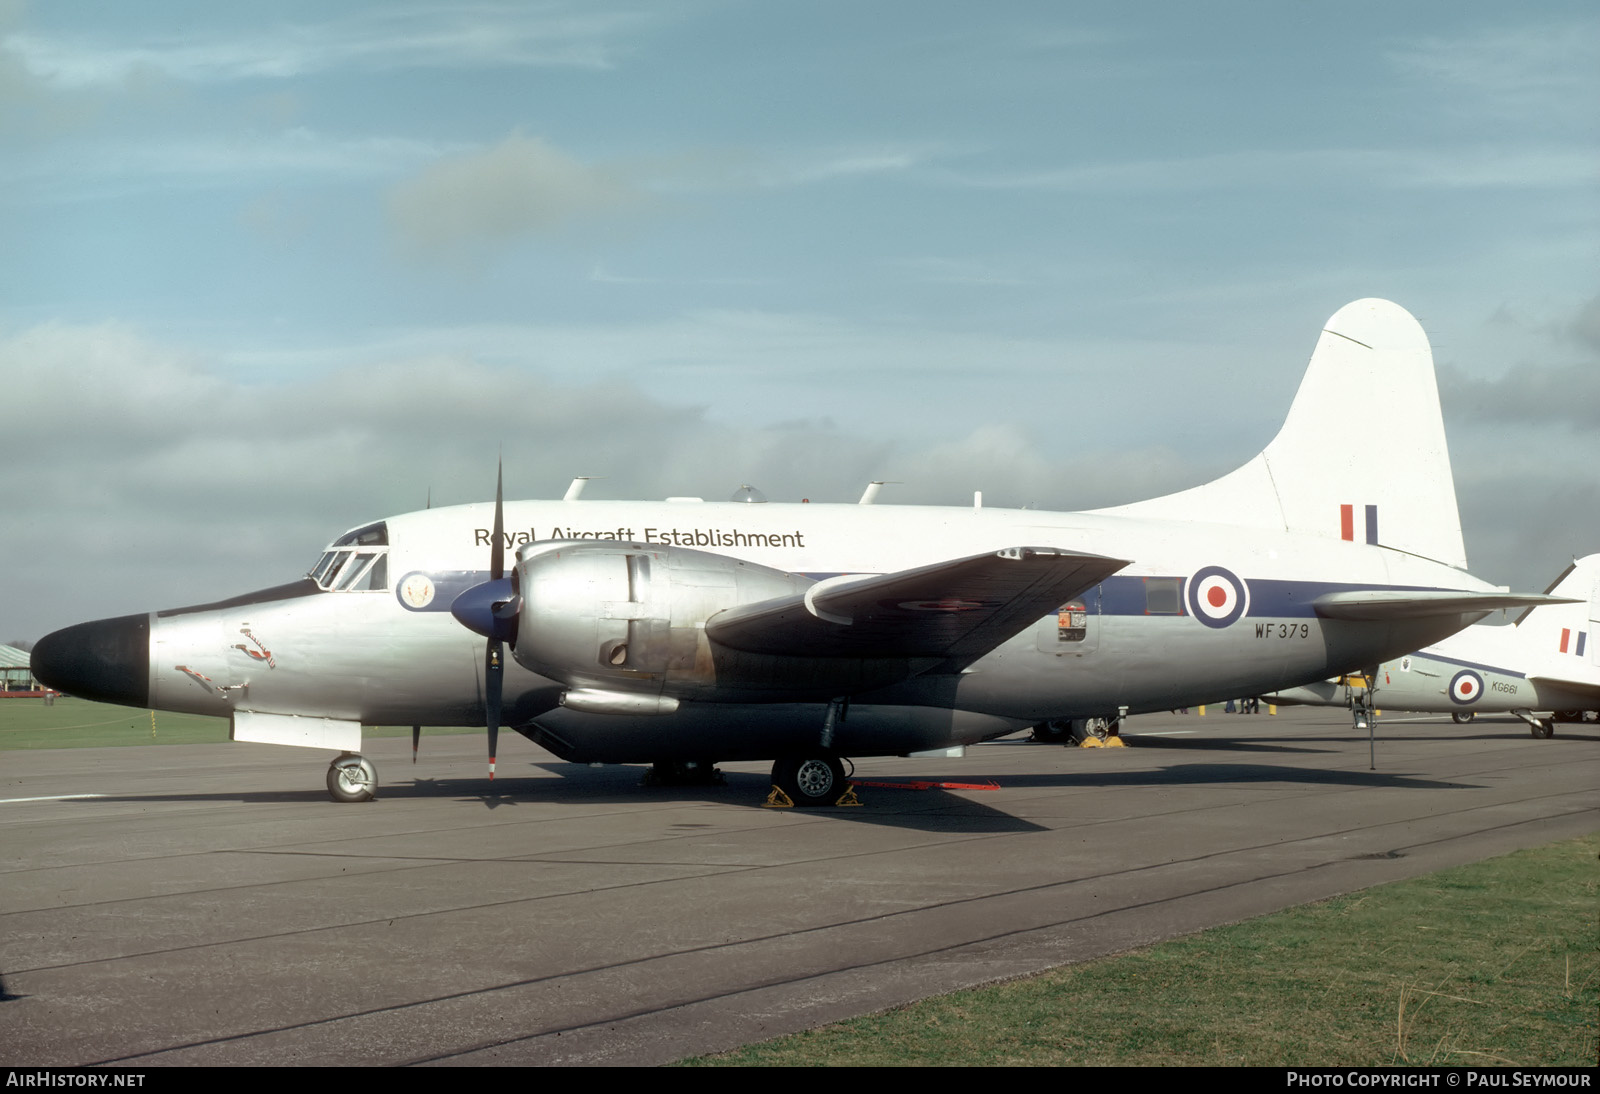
(1269, 597)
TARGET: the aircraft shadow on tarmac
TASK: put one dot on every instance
(931, 809)
(1320, 746)
(1221, 743)
(925, 810)
(1201, 774)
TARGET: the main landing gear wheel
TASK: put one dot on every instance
(352, 778)
(810, 780)
(1543, 729)
(1054, 732)
(1462, 717)
(684, 773)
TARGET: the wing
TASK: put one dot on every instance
(1584, 693)
(954, 611)
(1376, 605)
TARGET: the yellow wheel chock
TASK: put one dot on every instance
(779, 800)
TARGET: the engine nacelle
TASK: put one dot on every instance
(627, 616)
(618, 620)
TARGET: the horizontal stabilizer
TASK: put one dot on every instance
(1588, 691)
(956, 610)
(1376, 605)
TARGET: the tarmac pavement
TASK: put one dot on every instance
(210, 905)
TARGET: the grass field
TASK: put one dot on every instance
(1491, 964)
(78, 723)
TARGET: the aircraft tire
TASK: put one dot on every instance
(684, 773)
(352, 778)
(1053, 732)
(1462, 717)
(810, 780)
(1084, 728)
(1544, 729)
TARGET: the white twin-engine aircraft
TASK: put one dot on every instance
(1545, 669)
(683, 632)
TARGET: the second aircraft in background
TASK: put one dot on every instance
(1545, 669)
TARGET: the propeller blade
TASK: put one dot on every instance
(416, 739)
(497, 555)
(493, 671)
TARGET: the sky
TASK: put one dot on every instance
(273, 270)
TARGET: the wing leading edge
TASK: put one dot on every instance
(954, 611)
(1376, 605)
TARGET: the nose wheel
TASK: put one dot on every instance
(352, 778)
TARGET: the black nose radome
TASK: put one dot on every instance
(107, 660)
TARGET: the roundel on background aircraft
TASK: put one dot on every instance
(1217, 597)
(1466, 687)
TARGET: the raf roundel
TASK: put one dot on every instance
(1217, 597)
(416, 591)
(1465, 687)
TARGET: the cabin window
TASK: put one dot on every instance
(1162, 596)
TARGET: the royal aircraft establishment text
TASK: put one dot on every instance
(676, 537)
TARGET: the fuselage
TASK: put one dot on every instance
(1202, 612)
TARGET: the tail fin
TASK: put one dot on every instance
(1568, 633)
(1361, 456)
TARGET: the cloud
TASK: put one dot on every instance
(158, 476)
(805, 168)
(1585, 326)
(1521, 531)
(157, 479)
(1556, 384)
(1527, 394)
(291, 156)
(520, 187)
(1546, 72)
(444, 36)
(1462, 167)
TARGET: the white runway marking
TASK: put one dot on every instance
(50, 798)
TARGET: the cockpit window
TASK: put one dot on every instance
(353, 570)
(372, 535)
(347, 570)
(322, 566)
(341, 559)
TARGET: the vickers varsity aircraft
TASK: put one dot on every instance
(1545, 669)
(682, 632)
